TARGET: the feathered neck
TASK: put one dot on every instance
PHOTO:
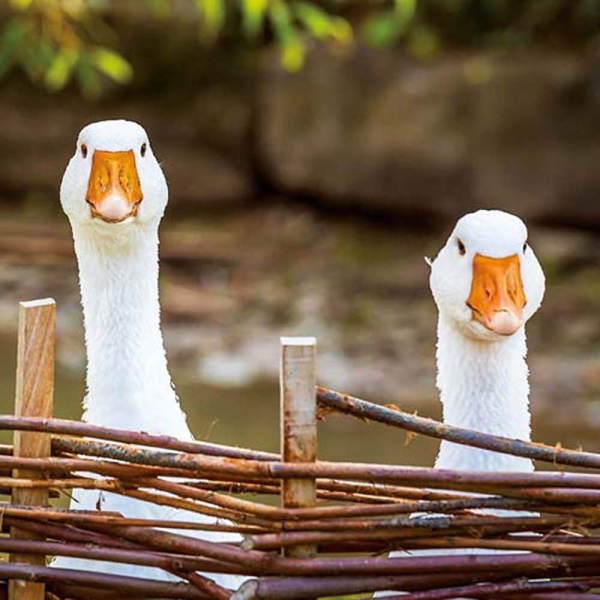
(483, 386)
(128, 382)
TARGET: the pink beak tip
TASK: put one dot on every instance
(114, 208)
(505, 322)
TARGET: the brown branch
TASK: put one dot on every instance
(396, 418)
(124, 585)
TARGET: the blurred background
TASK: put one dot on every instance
(316, 151)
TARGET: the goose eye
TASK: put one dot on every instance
(143, 149)
(84, 150)
(524, 247)
(461, 248)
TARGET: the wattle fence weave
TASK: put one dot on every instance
(335, 525)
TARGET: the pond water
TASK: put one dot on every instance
(245, 416)
(228, 294)
(248, 416)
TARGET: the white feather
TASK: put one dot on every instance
(482, 377)
(129, 385)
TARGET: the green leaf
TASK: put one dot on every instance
(111, 63)
(316, 20)
(385, 28)
(213, 18)
(13, 33)
(281, 19)
(322, 25)
(405, 11)
(253, 15)
(29, 61)
(46, 51)
(20, 4)
(293, 53)
(341, 30)
(381, 29)
(89, 82)
(60, 70)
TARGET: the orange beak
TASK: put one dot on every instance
(114, 192)
(497, 297)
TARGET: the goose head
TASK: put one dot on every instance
(113, 182)
(487, 280)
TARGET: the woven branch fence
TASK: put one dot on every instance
(461, 534)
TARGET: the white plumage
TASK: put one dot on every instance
(482, 374)
(116, 242)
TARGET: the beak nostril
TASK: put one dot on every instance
(114, 190)
(496, 293)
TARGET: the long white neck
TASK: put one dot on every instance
(128, 382)
(483, 386)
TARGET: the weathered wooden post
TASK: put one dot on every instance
(34, 398)
(298, 423)
(298, 420)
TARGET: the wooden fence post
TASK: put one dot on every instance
(34, 398)
(298, 423)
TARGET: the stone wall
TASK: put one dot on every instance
(371, 130)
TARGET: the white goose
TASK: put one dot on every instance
(487, 283)
(114, 194)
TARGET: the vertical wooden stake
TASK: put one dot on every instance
(298, 423)
(34, 398)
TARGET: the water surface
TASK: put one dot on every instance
(248, 416)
